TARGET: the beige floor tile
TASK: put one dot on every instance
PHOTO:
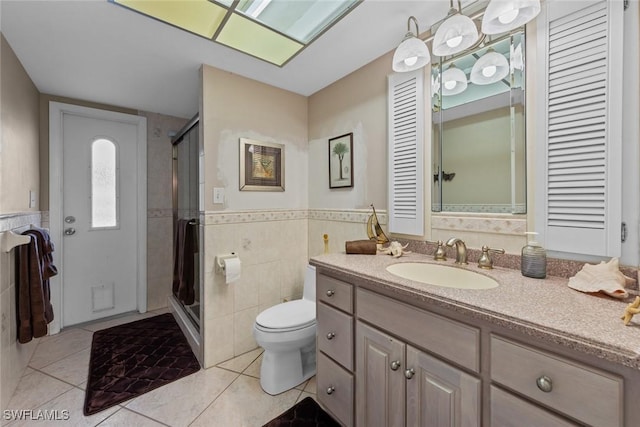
(98, 325)
(35, 390)
(56, 347)
(254, 369)
(244, 404)
(66, 410)
(311, 386)
(305, 394)
(242, 362)
(125, 417)
(180, 402)
(73, 369)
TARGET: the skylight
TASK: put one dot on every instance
(272, 30)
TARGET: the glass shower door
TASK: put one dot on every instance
(186, 275)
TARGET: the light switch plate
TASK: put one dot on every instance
(32, 199)
(218, 195)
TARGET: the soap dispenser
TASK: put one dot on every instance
(533, 262)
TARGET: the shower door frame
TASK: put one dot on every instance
(175, 141)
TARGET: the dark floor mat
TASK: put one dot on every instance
(131, 359)
(306, 413)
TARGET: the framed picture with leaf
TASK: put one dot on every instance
(341, 161)
(261, 166)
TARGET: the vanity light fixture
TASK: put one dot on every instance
(412, 53)
(454, 81)
(490, 68)
(503, 16)
(457, 33)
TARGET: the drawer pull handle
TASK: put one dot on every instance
(395, 365)
(409, 373)
(331, 389)
(544, 383)
(330, 293)
(331, 335)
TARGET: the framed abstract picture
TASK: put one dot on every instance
(261, 166)
(341, 161)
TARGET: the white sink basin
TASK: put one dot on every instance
(442, 275)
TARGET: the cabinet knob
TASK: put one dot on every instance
(544, 383)
(409, 373)
(330, 293)
(331, 335)
(395, 365)
(331, 389)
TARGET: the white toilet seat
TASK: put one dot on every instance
(288, 316)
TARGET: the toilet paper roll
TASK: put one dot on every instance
(231, 269)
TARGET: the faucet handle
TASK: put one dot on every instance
(485, 260)
(439, 254)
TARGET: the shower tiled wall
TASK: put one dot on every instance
(160, 206)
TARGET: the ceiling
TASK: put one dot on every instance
(97, 51)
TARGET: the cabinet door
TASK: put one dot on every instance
(439, 394)
(380, 378)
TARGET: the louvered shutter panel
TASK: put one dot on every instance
(406, 153)
(583, 129)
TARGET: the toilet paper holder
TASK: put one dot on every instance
(220, 267)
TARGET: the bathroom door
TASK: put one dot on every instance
(99, 216)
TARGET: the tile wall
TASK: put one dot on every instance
(274, 247)
(13, 356)
(160, 206)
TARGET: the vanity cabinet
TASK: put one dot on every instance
(335, 347)
(556, 382)
(396, 361)
(397, 383)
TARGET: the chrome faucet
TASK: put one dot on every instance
(461, 249)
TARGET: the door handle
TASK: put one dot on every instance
(69, 231)
(70, 219)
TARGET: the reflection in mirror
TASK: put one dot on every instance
(479, 129)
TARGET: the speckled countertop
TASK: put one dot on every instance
(547, 309)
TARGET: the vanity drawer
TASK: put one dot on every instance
(335, 334)
(452, 340)
(584, 393)
(508, 410)
(335, 292)
(335, 389)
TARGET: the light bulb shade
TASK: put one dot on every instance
(490, 68)
(410, 55)
(516, 58)
(454, 81)
(457, 33)
(500, 16)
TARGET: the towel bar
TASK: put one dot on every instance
(10, 240)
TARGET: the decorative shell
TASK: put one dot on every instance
(604, 277)
(395, 249)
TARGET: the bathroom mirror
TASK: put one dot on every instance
(478, 132)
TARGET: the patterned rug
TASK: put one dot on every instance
(131, 359)
(306, 413)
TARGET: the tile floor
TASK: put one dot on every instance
(227, 395)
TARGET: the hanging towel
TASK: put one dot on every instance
(186, 246)
(35, 268)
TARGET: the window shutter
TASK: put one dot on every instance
(582, 200)
(406, 153)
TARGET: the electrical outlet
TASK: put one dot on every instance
(32, 199)
(218, 195)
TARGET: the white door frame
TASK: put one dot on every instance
(57, 111)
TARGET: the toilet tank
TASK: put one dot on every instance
(309, 292)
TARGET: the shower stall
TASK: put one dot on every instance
(187, 250)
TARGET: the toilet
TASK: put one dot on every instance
(287, 332)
